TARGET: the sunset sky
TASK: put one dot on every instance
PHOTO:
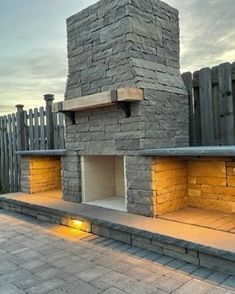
(33, 44)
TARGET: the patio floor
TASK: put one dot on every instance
(211, 230)
(203, 218)
(40, 258)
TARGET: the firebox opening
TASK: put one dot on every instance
(103, 181)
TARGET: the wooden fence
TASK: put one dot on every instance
(211, 105)
(35, 129)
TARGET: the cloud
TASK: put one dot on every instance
(207, 32)
(26, 78)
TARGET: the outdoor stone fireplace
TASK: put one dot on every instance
(124, 93)
(126, 112)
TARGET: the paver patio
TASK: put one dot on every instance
(38, 257)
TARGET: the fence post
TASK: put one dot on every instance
(188, 81)
(21, 140)
(49, 121)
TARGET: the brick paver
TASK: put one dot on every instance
(37, 257)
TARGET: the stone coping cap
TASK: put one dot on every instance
(56, 152)
(191, 151)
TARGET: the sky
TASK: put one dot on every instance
(33, 57)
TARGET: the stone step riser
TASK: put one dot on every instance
(196, 257)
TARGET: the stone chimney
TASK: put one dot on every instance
(117, 44)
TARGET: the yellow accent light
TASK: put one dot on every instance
(79, 225)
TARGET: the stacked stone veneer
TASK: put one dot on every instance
(169, 185)
(115, 43)
(124, 43)
(40, 174)
(207, 183)
(211, 184)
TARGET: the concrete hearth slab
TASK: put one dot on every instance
(182, 240)
(42, 200)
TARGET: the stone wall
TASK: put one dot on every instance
(170, 185)
(24, 176)
(211, 184)
(161, 120)
(40, 174)
(71, 177)
(139, 182)
(116, 43)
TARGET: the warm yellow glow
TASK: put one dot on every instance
(77, 224)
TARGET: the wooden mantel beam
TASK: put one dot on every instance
(99, 100)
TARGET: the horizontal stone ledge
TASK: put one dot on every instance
(211, 151)
(99, 100)
(56, 152)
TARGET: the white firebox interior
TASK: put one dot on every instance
(103, 181)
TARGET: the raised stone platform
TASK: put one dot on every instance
(198, 245)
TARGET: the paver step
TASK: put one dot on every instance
(201, 246)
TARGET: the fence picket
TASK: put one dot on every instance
(31, 132)
(226, 104)
(42, 129)
(61, 130)
(188, 80)
(36, 129)
(1, 155)
(197, 110)
(6, 153)
(15, 157)
(207, 122)
(55, 131)
(25, 128)
(10, 148)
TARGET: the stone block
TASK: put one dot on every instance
(43, 217)
(111, 233)
(29, 211)
(140, 184)
(231, 181)
(72, 197)
(116, 29)
(127, 144)
(180, 255)
(230, 191)
(217, 263)
(147, 246)
(215, 181)
(207, 169)
(141, 209)
(169, 247)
